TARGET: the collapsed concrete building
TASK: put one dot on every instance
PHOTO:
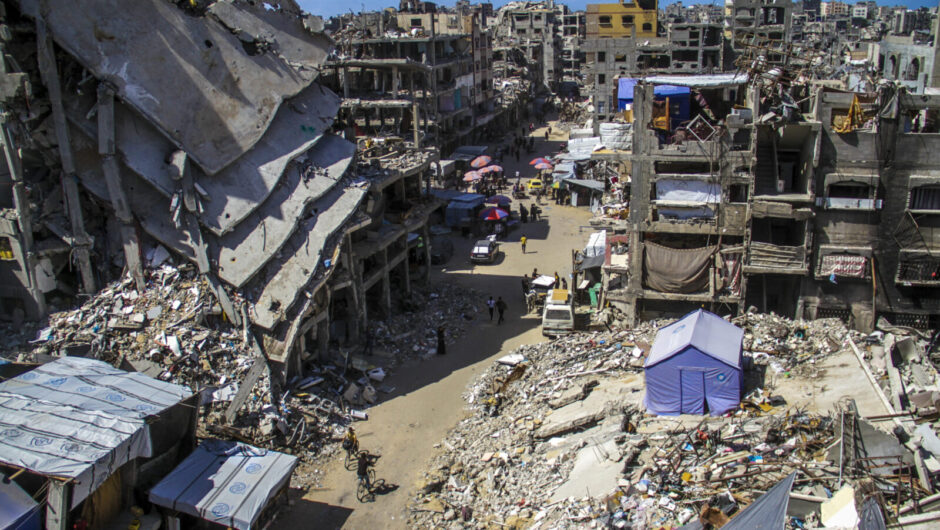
(203, 129)
(810, 210)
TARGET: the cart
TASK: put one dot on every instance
(535, 300)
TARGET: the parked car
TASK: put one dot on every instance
(484, 251)
(535, 184)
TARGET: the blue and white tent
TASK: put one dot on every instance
(695, 362)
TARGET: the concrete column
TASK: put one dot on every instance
(426, 234)
(58, 499)
(386, 284)
(355, 286)
(50, 77)
(23, 218)
(406, 266)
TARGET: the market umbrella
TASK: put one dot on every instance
(540, 160)
(493, 214)
(490, 169)
(480, 161)
(498, 199)
(471, 176)
(543, 165)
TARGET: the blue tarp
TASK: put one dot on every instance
(693, 362)
(768, 511)
(679, 98)
(17, 509)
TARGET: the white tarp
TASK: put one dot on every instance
(597, 244)
(80, 418)
(688, 191)
(228, 483)
(580, 148)
(701, 81)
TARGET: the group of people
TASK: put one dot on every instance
(519, 143)
(524, 213)
(499, 306)
(364, 460)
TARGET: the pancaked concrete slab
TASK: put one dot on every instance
(593, 408)
(241, 188)
(595, 472)
(211, 88)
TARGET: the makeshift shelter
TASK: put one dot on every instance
(77, 421)
(227, 483)
(695, 362)
(679, 99)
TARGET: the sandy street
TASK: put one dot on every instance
(428, 398)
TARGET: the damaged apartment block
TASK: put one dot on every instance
(796, 199)
(109, 165)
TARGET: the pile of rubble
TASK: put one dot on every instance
(557, 438)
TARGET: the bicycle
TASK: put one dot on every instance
(365, 488)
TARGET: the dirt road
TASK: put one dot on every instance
(428, 401)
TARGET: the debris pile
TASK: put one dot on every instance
(557, 437)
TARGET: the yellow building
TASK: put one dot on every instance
(620, 20)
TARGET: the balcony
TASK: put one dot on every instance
(918, 268)
(765, 258)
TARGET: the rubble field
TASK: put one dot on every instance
(556, 437)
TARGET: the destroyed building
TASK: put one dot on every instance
(809, 213)
(626, 40)
(533, 27)
(761, 23)
(225, 155)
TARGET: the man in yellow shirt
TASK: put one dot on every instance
(523, 240)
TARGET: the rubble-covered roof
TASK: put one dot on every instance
(211, 84)
(708, 332)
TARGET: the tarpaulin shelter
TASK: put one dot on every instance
(17, 509)
(81, 420)
(695, 362)
(227, 483)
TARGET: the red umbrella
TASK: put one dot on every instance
(493, 214)
(480, 161)
(471, 176)
(540, 160)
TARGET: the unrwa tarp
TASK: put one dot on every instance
(228, 483)
(80, 419)
(694, 362)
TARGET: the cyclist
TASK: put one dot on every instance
(350, 442)
(362, 468)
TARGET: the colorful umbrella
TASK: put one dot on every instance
(471, 176)
(543, 165)
(498, 199)
(540, 160)
(490, 169)
(493, 214)
(480, 161)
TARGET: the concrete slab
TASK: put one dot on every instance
(594, 473)
(304, 253)
(838, 376)
(191, 76)
(235, 192)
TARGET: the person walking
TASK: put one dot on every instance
(501, 307)
(524, 215)
(491, 304)
(441, 345)
(564, 283)
(525, 286)
(557, 280)
(522, 241)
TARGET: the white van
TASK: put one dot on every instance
(558, 315)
